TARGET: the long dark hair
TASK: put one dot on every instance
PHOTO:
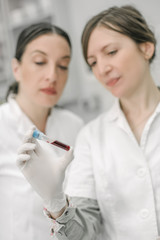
(26, 36)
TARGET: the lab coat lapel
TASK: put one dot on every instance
(116, 114)
(22, 122)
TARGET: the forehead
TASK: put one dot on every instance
(49, 42)
(102, 36)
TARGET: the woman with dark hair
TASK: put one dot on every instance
(40, 68)
(113, 188)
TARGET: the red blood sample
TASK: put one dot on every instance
(61, 145)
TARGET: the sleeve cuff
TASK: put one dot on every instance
(59, 223)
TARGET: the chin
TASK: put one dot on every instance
(47, 104)
(116, 93)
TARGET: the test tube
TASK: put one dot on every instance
(41, 136)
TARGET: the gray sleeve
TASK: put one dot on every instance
(80, 221)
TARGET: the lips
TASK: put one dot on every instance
(49, 91)
(111, 82)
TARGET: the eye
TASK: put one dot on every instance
(92, 64)
(40, 63)
(112, 52)
(63, 67)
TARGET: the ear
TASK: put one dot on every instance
(16, 69)
(147, 49)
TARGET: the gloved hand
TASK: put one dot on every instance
(45, 173)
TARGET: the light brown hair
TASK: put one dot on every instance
(126, 20)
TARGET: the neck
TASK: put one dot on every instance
(37, 114)
(139, 108)
(141, 101)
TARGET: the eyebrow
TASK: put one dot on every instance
(66, 57)
(39, 51)
(102, 49)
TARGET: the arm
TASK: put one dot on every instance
(81, 220)
(46, 176)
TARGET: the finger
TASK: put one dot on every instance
(28, 136)
(26, 147)
(67, 158)
(38, 148)
(22, 159)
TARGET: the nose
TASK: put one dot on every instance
(103, 67)
(51, 73)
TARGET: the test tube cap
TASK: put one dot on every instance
(36, 134)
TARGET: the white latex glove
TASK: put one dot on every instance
(45, 173)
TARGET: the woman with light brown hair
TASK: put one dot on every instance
(114, 181)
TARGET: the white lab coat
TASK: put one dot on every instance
(21, 209)
(121, 174)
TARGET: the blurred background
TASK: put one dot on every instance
(83, 93)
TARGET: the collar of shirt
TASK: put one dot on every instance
(116, 114)
(23, 122)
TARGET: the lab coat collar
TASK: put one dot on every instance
(115, 112)
(23, 122)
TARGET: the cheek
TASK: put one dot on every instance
(27, 74)
(28, 84)
(97, 75)
(61, 82)
(131, 63)
(136, 68)
(31, 76)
